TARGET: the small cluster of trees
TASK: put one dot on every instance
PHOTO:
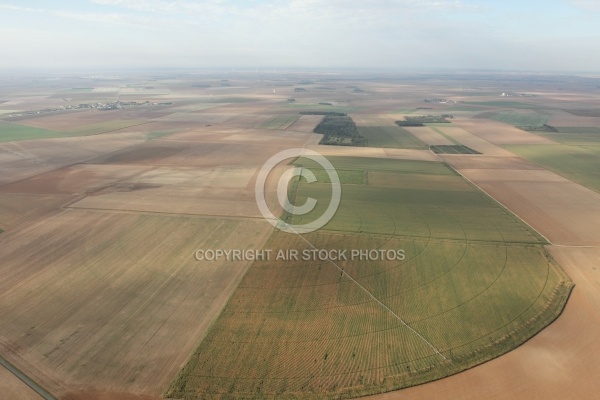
(425, 119)
(543, 128)
(340, 130)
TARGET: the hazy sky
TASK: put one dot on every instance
(456, 34)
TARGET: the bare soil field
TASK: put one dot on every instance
(12, 388)
(246, 121)
(472, 141)
(563, 118)
(197, 118)
(581, 263)
(19, 160)
(306, 123)
(17, 208)
(113, 302)
(222, 191)
(373, 119)
(428, 135)
(78, 120)
(226, 134)
(564, 212)
(76, 179)
(499, 133)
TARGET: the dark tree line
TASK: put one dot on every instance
(339, 114)
(425, 119)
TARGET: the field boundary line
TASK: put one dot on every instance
(574, 246)
(500, 203)
(26, 380)
(435, 349)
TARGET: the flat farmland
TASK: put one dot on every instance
(306, 123)
(304, 107)
(227, 134)
(373, 119)
(484, 162)
(581, 164)
(319, 329)
(79, 120)
(101, 212)
(563, 211)
(390, 136)
(19, 160)
(224, 191)
(523, 118)
(167, 152)
(107, 303)
(248, 120)
(499, 133)
(12, 388)
(416, 210)
(76, 179)
(11, 132)
(571, 342)
(16, 208)
(459, 132)
(563, 118)
(429, 136)
(280, 122)
(197, 118)
(575, 135)
(369, 152)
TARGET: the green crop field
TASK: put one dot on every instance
(474, 284)
(390, 137)
(517, 119)
(578, 163)
(575, 136)
(160, 134)
(280, 122)
(10, 132)
(452, 149)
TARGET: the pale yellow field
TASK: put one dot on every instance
(428, 135)
(114, 301)
(305, 123)
(472, 141)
